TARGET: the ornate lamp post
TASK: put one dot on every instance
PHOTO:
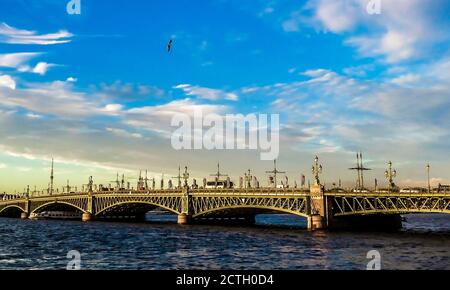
(390, 175)
(186, 177)
(429, 183)
(316, 170)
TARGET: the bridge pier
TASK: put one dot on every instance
(24, 216)
(184, 219)
(86, 217)
(318, 218)
(316, 222)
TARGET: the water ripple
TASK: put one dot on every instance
(423, 244)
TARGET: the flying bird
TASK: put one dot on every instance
(169, 46)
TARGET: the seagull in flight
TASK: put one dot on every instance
(169, 46)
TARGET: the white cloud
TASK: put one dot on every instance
(12, 35)
(293, 23)
(207, 93)
(359, 70)
(338, 16)
(128, 91)
(19, 62)
(7, 82)
(158, 118)
(123, 133)
(41, 68)
(406, 79)
(403, 114)
(58, 99)
(113, 108)
(14, 60)
(33, 116)
(71, 80)
(404, 30)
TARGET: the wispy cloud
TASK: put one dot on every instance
(12, 35)
(402, 114)
(15, 60)
(41, 68)
(123, 133)
(158, 118)
(207, 93)
(128, 91)
(57, 98)
(404, 30)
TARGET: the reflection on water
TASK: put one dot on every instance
(276, 242)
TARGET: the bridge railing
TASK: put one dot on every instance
(250, 191)
(231, 191)
(386, 193)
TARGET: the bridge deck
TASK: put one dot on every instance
(200, 202)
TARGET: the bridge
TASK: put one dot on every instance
(321, 209)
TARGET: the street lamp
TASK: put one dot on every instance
(390, 175)
(316, 170)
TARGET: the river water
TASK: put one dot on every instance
(275, 242)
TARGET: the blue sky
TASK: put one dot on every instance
(93, 90)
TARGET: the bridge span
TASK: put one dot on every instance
(323, 209)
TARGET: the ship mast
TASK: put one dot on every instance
(275, 172)
(179, 176)
(218, 175)
(360, 169)
(146, 179)
(51, 179)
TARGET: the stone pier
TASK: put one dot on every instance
(184, 219)
(318, 218)
(316, 222)
(86, 217)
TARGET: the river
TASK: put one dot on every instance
(275, 242)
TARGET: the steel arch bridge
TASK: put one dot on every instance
(191, 205)
(345, 204)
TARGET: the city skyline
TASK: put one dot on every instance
(294, 180)
(96, 90)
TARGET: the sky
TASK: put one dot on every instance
(96, 90)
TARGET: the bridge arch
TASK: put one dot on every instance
(136, 205)
(256, 210)
(64, 204)
(14, 209)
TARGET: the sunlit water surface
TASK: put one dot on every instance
(276, 242)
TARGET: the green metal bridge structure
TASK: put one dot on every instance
(322, 209)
